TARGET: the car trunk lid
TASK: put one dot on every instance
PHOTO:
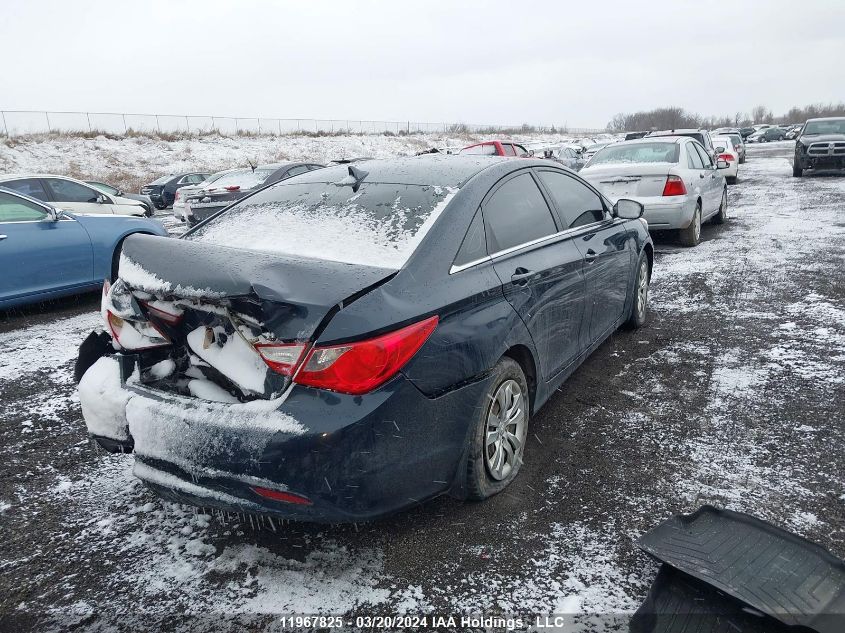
(215, 304)
(631, 179)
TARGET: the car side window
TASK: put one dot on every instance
(295, 171)
(693, 158)
(578, 204)
(29, 186)
(15, 209)
(516, 214)
(474, 246)
(705, 157)
(508, 149)
(69, 191)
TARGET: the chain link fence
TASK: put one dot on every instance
(22, 122)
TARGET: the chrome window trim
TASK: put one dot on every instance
(513, 249)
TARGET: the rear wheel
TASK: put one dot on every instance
(691, 235)
(722, 215)
(731, 180)
(501, 426)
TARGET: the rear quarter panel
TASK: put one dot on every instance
(107, 232)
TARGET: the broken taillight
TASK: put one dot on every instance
(135, 335)
(282, 358)
(281, 495)
(361, 366)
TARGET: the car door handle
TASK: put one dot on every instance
(591, 256)
(521, 276)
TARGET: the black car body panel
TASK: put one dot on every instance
(162, 192)
(359, 457)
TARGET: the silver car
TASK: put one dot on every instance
(674, 178)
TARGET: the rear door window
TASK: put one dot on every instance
(29, 186)
(516, 214)
(69, 191)
(693, 157)
(577, 204)
(705, 157)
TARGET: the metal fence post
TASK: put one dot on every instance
(125, 129)
(5, 127)
(213, 129)
(88, 116)
(158, 125)
(47, 116)
(236, 126)
(187, 125)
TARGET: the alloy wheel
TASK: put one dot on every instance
(697, 224)
(505, 431)
(642, 291)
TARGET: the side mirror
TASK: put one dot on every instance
(119, 193)
(628, 209)
(719, 150)
(531, 152)
(54, 214)
(722, 164)
(101, 199)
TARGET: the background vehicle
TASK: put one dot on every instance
(182, 194)
(522, 262)
(702, 136)
(726, 151)
(672, 176)
(114, 191)
(745, 132)
(632, 136)
(71, 194)
(766, 135)
(820, 145)
(162, 191)
(47, 253)
(237, 184)
(590, 150)
(736, 138)
(568, 157)
(495, 148)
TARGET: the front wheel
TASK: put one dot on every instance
(501, 426)
(691, 235)
(639, 306)
(797, 170)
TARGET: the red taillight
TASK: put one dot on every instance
(279, 495)
(233, 187)
(282, 358)
(674, 186)
(359, 367)
(727, 157)
(177, 196)
(135, 335)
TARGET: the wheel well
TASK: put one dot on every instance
(115, 257)
(649, 253)
(522, 355)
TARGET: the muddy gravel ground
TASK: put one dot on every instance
(732, 395)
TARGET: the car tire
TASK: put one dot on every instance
(485, 474)
(797, 170)
(722, 216)
(160, 206)
(731, 180)
(691, 236)
(639, 304)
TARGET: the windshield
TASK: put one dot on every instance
(825, 127)
(723, 141)
(245, 178)
(380, 225)
(104, 187)
(637, 153)
(162, 180)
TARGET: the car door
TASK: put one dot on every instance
(606, 245)
(76, 197)
(541, 271)
(38, 254)
(712, 184)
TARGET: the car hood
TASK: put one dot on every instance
(121, 200)
(821, 138)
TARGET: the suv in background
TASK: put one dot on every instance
(496, 148)
(162, 191)
(702, 136)
(820, 145)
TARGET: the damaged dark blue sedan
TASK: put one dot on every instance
(358, 339)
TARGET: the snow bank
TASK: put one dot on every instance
(104, 400)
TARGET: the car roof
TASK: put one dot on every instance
(5, 177)
(451, 170)
(655, 139)
(828, 118)
(678, 131)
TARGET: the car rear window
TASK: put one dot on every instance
(379, 225)
(245, 179)
(637, 153)
(481, 150)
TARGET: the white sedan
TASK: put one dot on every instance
(726, 151)
(71, 194)
(673, 177)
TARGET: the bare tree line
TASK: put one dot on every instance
(673, 117)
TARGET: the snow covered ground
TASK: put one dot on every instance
(731, 395)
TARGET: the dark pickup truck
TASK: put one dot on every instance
(820, 145)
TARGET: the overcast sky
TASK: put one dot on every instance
(503, 62)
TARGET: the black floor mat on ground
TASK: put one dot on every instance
(679, 603)
(783, 575)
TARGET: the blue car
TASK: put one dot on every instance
(360, 338)
(47, 253)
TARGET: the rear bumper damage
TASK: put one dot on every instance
(355, 458)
